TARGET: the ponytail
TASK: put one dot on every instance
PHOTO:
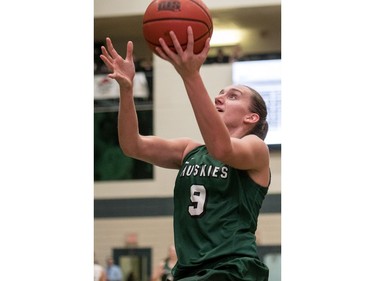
(258, 106)
(261, 129)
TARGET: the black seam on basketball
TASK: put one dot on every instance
(182, 45)
(204, 10)
(180, 19)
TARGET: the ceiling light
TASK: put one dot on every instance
(225, 37)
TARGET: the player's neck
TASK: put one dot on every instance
(238, 132)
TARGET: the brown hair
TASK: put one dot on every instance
(258, 106)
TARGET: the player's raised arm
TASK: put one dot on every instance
(152, 149)
(188, 64)
(225, 123)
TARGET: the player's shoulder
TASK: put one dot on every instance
(259, 151)
(191, 145)
(256, 141)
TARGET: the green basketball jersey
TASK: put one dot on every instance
(215, 210)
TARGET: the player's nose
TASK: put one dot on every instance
(219, 99)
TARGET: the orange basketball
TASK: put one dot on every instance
(162, 16)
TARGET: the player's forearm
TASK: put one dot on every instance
(128, 132)
(213, 129)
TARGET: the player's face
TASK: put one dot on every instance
(233, 104)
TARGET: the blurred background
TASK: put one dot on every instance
(255, 28)
(133, 203)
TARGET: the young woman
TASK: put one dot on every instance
(221, 183)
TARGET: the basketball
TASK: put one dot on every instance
(162, 16)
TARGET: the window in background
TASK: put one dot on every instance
(109, 161)
(265, 77)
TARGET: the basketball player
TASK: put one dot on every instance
(221, 183)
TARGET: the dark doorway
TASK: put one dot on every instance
(134, 262)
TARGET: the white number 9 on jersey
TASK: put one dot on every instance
(198, 199)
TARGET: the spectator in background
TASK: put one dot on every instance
(99, 272)
(236, 54)
(164, 270)
(114, 272)
(221, 57)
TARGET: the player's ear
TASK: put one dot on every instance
(251, 118)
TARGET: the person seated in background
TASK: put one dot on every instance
(114, 272)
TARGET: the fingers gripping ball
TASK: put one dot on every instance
(162, 16)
